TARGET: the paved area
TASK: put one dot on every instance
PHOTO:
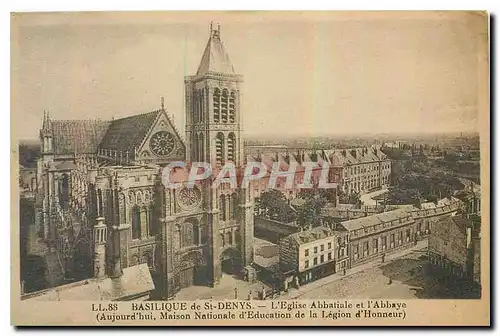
(367, 199)
(225, 290)
(363, 281)
(265, 253)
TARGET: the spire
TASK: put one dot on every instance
(44, 122)
(215, 57)
(162, 104)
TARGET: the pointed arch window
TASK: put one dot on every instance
(202, 106)
(231, 146)
(232, 99)
(201, 147)
(222, 208)
(151, 222)
(195, 147)
(224, 106)
(217, 102)
(234, 206)
(196, 107)
(136, 223)
(219, 149)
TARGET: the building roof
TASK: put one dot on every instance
(126, 134)
(368, 221)
(66, 165)
(77, 136)
(134, 281)
(313, 234)
(460, 221)
(215, 58)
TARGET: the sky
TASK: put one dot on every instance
(305, 73)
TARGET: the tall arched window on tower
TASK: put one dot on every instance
(195, 107)
(217, 105)
(224, 106)
(202, 106)
(232, 107)
(136, 223)
(219, 149)
(222, 207)
(195, 147)
(231, 145)
(151, 221)
(201, 147)
(234, 205)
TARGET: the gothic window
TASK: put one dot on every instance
(222, 240)
(200, 147)
(224, 106)
(222, 208)
(219, 149)
(231, 145)
(233, 206)
(151, 224)
(196, 234)
(196, 107)
(229, 237)
(232, 107)
(136, 223)
(202, 110)
(217, 106)
(195, 146)
(190, 233)
(177, 237)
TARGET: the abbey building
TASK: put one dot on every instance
(103, 207)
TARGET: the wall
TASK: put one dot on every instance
(272, 230)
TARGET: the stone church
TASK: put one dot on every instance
(102, 204)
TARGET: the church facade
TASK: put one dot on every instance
(102, 205)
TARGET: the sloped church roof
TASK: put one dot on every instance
(125, 134)
(215, 57)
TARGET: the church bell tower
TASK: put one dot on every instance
(214, 128)
(213, 119)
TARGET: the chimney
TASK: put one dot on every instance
(100, 233)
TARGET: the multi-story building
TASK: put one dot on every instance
(455, 241)
(314, 253)
(454, 247)
(102, 203)
(357, 170)
(372, 236)
(360, 170)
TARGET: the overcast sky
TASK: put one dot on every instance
(333, 74)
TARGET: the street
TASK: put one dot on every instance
(404, 275)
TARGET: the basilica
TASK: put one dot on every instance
(102, 204)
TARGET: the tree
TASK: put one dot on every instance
(309, 214)
(329, 195)
(273, 204)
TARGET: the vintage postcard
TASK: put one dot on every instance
(250, 168)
